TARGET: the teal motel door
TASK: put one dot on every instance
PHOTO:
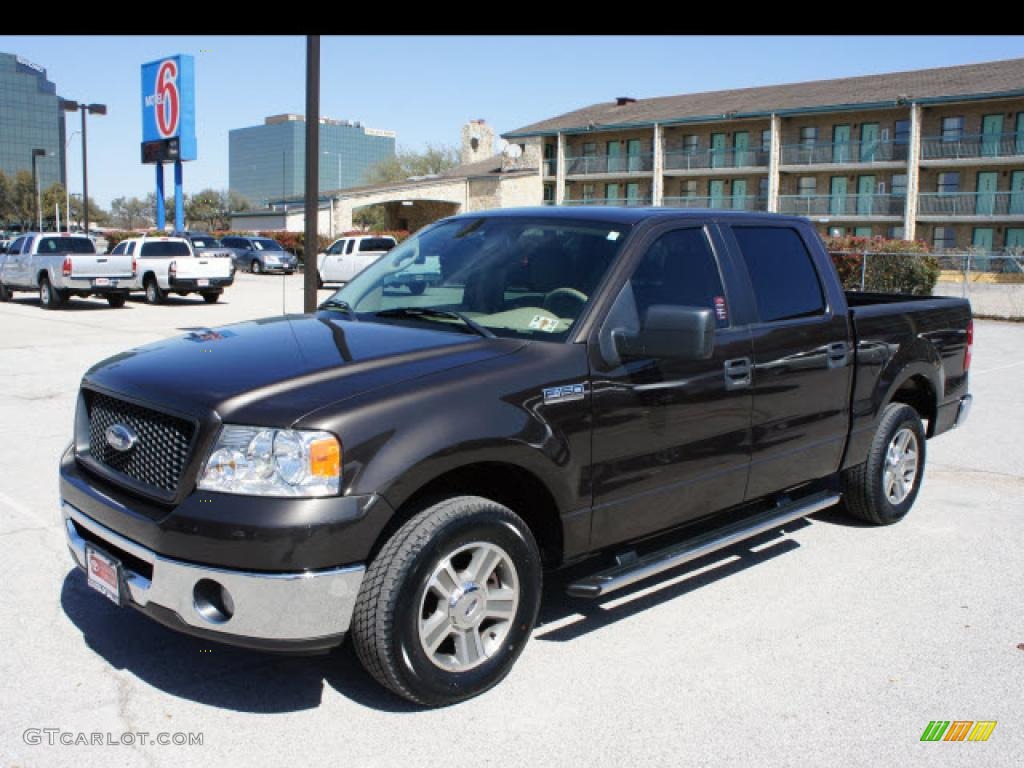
(718, 149)
(981, 240)
(633, 155)
(841, 144)
(716, 193)
(739, 194)
(632, 194)
(741, 145)
(986, 196)
(1019, 144)
(614, 150)
(837, 196)
(865, 195)
(991, 135)
(868, 142)
(611, 194)
(1017, 193)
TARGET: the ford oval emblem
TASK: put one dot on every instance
(120, 437)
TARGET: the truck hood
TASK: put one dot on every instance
(272, 371)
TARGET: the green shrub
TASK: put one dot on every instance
(892, 266)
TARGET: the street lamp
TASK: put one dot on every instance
(95, 109)
(35, 185)
(67, 180)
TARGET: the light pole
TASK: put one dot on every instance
(67, 180)
(35, 184)
(95, 109)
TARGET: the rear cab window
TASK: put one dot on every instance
(782, 273)
(164, 248)
(376, 244)
(65, 245)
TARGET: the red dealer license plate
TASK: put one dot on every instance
(104, 573)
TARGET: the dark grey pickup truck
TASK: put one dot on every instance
(627, 388)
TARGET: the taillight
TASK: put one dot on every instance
(66, 269)
(135, 266)
(970, 345)
(172, 270)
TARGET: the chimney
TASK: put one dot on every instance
(621, 101)
(477, 141)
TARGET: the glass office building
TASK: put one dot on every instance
(30, 118)
(266, 162)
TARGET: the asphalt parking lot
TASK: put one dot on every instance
(831, 643)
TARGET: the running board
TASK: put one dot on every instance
(633, 569)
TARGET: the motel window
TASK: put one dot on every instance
(952, 128)
(808, 135)
(948, 183)
(943, 238)
(691, 143)
(808, 185)
(899, 185)
(689, 188)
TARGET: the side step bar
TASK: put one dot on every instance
(636, 569)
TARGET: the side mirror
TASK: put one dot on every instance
(670, 332)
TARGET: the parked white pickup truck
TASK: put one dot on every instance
(348, 256)
(61, 265)
(169, 265)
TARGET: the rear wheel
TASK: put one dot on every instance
(211, 297)
(256, 267)
(883, 489)
(448, 604)
(116, 300)
(154, 294)
(49, 297)
(5, 293)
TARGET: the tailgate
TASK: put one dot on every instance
(89, 266)
(203, 266)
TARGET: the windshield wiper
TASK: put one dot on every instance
(342, 305)
(430, 312)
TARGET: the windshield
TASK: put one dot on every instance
(205, 242)
(517, 277)
(66, 245)
(267, 245)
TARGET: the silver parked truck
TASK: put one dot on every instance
(61, 265)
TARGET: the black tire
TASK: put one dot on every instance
(211, 297)
(864, 493)
(417, 289)
(116, 300)
(256, 267)
(154, 294)
(49, 297)
(5, 293)
(319, 281)
(385, 624)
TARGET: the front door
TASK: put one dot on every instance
(716, 193)
(837, 196)
(981, 238)
(802, 362)
(741, 146)
(670, 441)
(632, 194)
(868, 142)
(633, 155)
(614, 149)
(841, 144)
(986, 197)
(739, 194)
(865, 195)
(718, 149)
(991, 135)
(1017, 193)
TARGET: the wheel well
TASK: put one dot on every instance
(507, 484)
(148, 275)
(42, 273)
(917, 392)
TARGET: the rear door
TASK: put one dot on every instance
(801, 356)
(671, 438)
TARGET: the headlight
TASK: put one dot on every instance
(257, 461)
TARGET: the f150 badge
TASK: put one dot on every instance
(563, 394)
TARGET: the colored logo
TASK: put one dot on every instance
(958, 730)
(167, 101)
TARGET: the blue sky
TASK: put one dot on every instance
(425, 88)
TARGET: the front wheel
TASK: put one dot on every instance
(883, 489)
(256, 267)
(5, 293)
(448, 604)
(49, 297)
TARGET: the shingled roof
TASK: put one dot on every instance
(989, 78)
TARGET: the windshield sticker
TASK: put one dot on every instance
(546, 324)
(613, 235)
(720, 311)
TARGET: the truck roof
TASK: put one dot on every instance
(622, 214)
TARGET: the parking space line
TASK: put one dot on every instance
(26, 511)
(998, 368)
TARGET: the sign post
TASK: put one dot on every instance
(169, 125)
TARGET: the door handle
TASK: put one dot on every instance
(837, 354)
(738, 373)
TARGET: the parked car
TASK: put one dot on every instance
(168, 264)
(204, 244)
(581, 381)
(59, 266)
(260, 254)
(346, 257)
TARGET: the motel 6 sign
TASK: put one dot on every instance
(168, 110)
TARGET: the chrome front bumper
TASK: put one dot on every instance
(266, 606)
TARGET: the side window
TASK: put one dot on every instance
(119, 249)
(337, 248)
(782, 272)
(131, 249)
(16, 246)
(351, 245)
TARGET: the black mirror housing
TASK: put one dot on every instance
(670, 332)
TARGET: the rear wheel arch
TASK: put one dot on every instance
(919, 392)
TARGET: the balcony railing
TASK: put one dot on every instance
(629, 202)
(843, 205)
(730, 157)
(848, 152)
(971, 204)
(550, 167)
(972, 145)
(726, 202)
(623, 164)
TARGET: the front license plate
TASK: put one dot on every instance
(101, 281)
(104, 573)
(202, 282)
